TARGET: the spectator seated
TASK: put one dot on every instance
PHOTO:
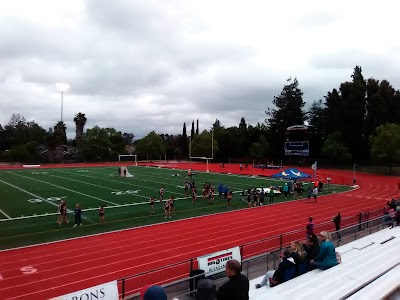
(363, 261)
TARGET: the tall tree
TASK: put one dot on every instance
(80, 122)
(242, 124)
(333, 111)
(385, 145)
(192, 131)
(204, 146)
(152, 145)
(289, 111)
(260, 149)
(60, 126)
(128, 137)
(184, 141)
(197, 127)
(335, 150)
(353, 114)
(317, 128)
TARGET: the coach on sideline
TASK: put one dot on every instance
(237, 288)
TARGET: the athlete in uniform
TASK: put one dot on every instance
(167, 210)
(101, 214)
(152, 205)
(229, 199)
(186, 189)
(171, 205)
(60, 210)
(161, 194)
(64, 213)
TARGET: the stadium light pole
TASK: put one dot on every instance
(63, 88)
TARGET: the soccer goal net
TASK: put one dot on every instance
(123, 172)
(128, 158)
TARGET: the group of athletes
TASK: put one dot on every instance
(63, 211)
(189, 187)
(169, 205)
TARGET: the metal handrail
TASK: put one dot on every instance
(358, 224)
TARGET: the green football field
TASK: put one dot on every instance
(29, 199)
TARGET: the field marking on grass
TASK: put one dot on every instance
(61, 187)
(115, 221)
(123, 182)
(7, 216)
(170, 181)
(90, 209)
(105, 180)
(41, 198)
(244, 176)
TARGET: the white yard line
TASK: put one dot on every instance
(61, 187)
(29, 193)
(38, 197)
(7, 216)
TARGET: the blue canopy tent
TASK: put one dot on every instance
(291, 174)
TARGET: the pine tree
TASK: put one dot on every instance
(184, 141)
(192, 131)
(289, 112)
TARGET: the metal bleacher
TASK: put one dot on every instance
(369, 270)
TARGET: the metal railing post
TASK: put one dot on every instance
(280, 242)
(123, 288)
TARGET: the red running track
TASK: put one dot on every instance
(45, 271)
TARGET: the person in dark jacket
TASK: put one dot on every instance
(337, 220)
(312, 249)
(205, 290)
(326, 257)
(237, 288)
(273, 278)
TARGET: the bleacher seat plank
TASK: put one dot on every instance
(381, 287)
(359, 266)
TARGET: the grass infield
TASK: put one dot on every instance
(29, 200)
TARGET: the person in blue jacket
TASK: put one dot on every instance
(220, 190)
(326, 257)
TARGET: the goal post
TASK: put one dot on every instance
(128, 158)
(207, 159)
(124, 172)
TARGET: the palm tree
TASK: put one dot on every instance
(80, 121)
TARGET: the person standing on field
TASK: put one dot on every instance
(271, 195)
(60, 210)
(77, 212)
(101, 214)
(64, 213)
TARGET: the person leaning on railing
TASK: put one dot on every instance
(326, 257)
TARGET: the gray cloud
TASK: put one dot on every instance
(139, 66)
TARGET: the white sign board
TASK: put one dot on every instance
(216, 262)
(106, 291)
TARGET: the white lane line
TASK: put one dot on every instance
(7, 216)
(38, 197)
(61, 187)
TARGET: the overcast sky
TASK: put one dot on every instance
(149, 65)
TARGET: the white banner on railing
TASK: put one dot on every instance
(106, 291)
(215, 262)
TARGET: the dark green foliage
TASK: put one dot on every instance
(288, 112)
(335, 150)
(385, 145)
